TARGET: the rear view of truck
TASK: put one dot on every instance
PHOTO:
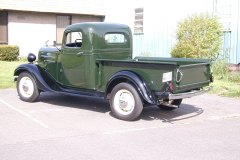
(187, 78)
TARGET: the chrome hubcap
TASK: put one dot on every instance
(26, 87)
(124, 102)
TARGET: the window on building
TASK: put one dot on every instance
(3, 27)
(62, 23)
(138, 23)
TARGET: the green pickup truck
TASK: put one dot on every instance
(95, 59)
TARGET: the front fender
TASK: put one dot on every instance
(135, 79)
(36, 72)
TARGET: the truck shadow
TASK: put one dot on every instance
(185, 111)
(79, 102)
(150, 112)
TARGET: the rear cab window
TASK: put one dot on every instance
(115, 38)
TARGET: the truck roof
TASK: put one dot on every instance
(97, 26)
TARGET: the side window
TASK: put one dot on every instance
(115, 38)
(74, 39)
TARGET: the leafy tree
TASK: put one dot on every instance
(198, 36)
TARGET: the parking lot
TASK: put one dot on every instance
(71, 127)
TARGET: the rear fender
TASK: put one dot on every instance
(35, 71)
(135, 79)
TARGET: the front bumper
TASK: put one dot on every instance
(189, 94)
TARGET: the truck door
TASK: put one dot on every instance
(73, 62)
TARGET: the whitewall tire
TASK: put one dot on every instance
(27, 88)
(125, 102)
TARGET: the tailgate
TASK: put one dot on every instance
(192, 76)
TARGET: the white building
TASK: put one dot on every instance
(29, 24)
(159, 20)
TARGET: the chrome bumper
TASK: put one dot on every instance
(189, 94)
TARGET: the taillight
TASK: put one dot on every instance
(167, 87)
(171, 87)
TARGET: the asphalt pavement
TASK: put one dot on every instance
(63, 127)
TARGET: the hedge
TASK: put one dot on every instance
(9, 52)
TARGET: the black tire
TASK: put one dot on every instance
(175, 102)
(27, 88)
(125, 102)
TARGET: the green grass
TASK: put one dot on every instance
(6, 73)
(225, 83)
(228, 86)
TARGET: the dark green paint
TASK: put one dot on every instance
(92, 65)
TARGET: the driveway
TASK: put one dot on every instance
(71, 127)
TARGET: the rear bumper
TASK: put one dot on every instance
(188, 94)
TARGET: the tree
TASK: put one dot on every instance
(198, 36)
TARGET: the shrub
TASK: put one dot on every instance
(198, 36)
(9, 52)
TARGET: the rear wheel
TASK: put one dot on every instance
(173, 104)
(125, 102)
(27, 88)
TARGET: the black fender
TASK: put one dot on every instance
(37, 74)
(135, 79)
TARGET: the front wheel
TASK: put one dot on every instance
(125, 102)
(27, 88)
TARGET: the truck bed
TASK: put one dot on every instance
(186, 74)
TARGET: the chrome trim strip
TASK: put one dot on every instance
(189, 94)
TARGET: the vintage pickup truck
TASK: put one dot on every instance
(95, 59)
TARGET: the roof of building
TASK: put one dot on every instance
(92, 7)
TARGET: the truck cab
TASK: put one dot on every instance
(82, 44)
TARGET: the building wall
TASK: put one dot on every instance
(85, 18)
(91, 7)
(234, 33)
(159, 32)
(161, 21)
(30, 30)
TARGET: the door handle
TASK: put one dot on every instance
(79, 53)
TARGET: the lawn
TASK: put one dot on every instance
(6, 73)
(228, 86)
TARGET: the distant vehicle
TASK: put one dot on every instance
(95, 59)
